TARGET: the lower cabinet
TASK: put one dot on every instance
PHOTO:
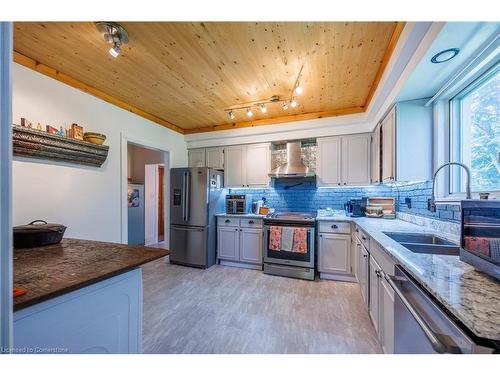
(334, 253)
(374, 281)
(363, 270)
(386, 316)
(239, 242)
(105, 317)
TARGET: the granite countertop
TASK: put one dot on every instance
(470, 295)
(50, 271)
(243, 216)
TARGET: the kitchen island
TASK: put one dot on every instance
(81, 297)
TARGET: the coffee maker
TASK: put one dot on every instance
(356, 207)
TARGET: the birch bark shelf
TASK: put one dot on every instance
(41, 145)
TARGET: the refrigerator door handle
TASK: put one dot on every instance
(188, 195)
(183, 198)
(187, 229)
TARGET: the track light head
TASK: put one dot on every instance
(114, 33)
(298, 90)
(231, 115)
(293, 103)
(263, 108)
(249, 112)
(285, 106)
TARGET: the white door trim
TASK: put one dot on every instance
(6, 185)
(124, 140)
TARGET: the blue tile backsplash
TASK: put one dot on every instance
(303, 195)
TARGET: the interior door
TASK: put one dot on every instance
(161, 204)
(151, 204)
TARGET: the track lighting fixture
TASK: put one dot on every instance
(113, 33)
(293, 103)
(249, 112)
(263, 108)
(298, 90)
(285, 106)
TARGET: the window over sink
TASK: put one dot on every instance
(475, 134)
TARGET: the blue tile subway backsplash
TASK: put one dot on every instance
(303, 195)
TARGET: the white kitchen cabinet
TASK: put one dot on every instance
(251, 245)
(386, 317)
(258, 164)
(215, 157)
(334, 253)
(375, 158)
(228, 243)
(388, 127)
(239, 242)
(247, 165)
(374, 286)
(407, 142)
(363, 269)
(329, 162)
(356, 159)
(235, 166)
(196, 157)
(344, 160)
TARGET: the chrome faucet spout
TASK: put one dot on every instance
(432, 202)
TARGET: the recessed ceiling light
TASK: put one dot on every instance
(445, 55)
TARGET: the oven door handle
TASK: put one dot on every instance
(436, 343)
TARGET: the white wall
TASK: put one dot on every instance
(85, 199)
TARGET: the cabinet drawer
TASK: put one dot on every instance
(334, 227)
(228, 221)
(383, 259)
(363, 237)
(251, 223)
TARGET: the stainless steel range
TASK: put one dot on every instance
(289, 244)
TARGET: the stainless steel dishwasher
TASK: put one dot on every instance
(421, 326)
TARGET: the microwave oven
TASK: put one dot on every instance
(480, 238)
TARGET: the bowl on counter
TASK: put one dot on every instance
(95, 138)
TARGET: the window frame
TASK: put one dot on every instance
(455, 179)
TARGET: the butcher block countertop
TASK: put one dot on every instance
(50, 271)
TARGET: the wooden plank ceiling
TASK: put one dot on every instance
(183, 74)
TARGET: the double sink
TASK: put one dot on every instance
(425, 243)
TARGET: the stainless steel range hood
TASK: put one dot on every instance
(294, 166)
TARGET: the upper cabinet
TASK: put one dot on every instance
(406, 142)
(247, 165)
(344, 160)
(375, 157)
(212, 157)
(196, 157)
(215, 157)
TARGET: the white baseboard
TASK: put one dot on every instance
(330, 276)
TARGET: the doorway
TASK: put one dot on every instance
(147, 185)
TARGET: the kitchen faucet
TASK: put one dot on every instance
(431, 204)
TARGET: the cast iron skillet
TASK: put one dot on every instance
(38, 233)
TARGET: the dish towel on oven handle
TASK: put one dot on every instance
(275, 238)
(287, 238)
(300, 240)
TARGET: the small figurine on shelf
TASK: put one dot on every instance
(61, 132)
(26, 123)
(51, 129)
(77, 131)
(39, 127)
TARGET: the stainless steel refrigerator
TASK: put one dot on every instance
(135, 214)
(196, 195)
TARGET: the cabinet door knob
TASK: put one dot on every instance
(251, 222)
(236, 229)
(338, 184)
(345, 183)
(335, 226)
(364, 238)
(364, 255)
(321, 235)
(228, 221)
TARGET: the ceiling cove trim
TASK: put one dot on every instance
(30, 63)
